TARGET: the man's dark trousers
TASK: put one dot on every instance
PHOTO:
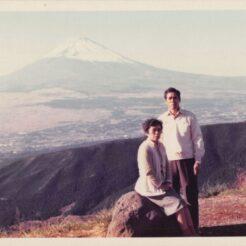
(185, 184)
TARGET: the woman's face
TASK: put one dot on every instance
(154, 133)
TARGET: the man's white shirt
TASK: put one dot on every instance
(182, 136)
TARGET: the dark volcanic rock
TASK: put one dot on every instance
(136, 216)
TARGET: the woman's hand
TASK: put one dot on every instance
(166, 186)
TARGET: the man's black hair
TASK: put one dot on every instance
(171, 89)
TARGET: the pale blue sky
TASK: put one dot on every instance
(208, 42)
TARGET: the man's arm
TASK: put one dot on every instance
(198, 144)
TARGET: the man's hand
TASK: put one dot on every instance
(196, 168)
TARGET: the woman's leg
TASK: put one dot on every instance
(185, 222)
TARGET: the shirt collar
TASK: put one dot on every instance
(152, 144)
(177, 114)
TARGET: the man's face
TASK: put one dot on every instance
(172, 101)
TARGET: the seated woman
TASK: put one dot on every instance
(154, 180)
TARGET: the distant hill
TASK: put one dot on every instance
(84, 179)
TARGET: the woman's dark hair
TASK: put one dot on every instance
(151, 122)
(171, 89)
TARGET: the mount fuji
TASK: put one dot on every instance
(82, 92)
(84, 65)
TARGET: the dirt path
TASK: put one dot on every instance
(224, 215)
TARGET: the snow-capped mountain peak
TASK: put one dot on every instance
(87, 50)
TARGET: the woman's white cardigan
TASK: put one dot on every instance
(154, 169)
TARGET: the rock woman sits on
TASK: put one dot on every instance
(154, 180)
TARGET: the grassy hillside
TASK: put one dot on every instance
(82, 180)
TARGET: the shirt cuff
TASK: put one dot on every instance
(198, 159)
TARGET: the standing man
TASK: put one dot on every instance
(184, 145)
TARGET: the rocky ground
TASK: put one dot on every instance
(224, 215)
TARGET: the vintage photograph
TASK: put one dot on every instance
(119, 120)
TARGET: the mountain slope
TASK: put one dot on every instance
(42, 185)
(75, 74)
(89, 178)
